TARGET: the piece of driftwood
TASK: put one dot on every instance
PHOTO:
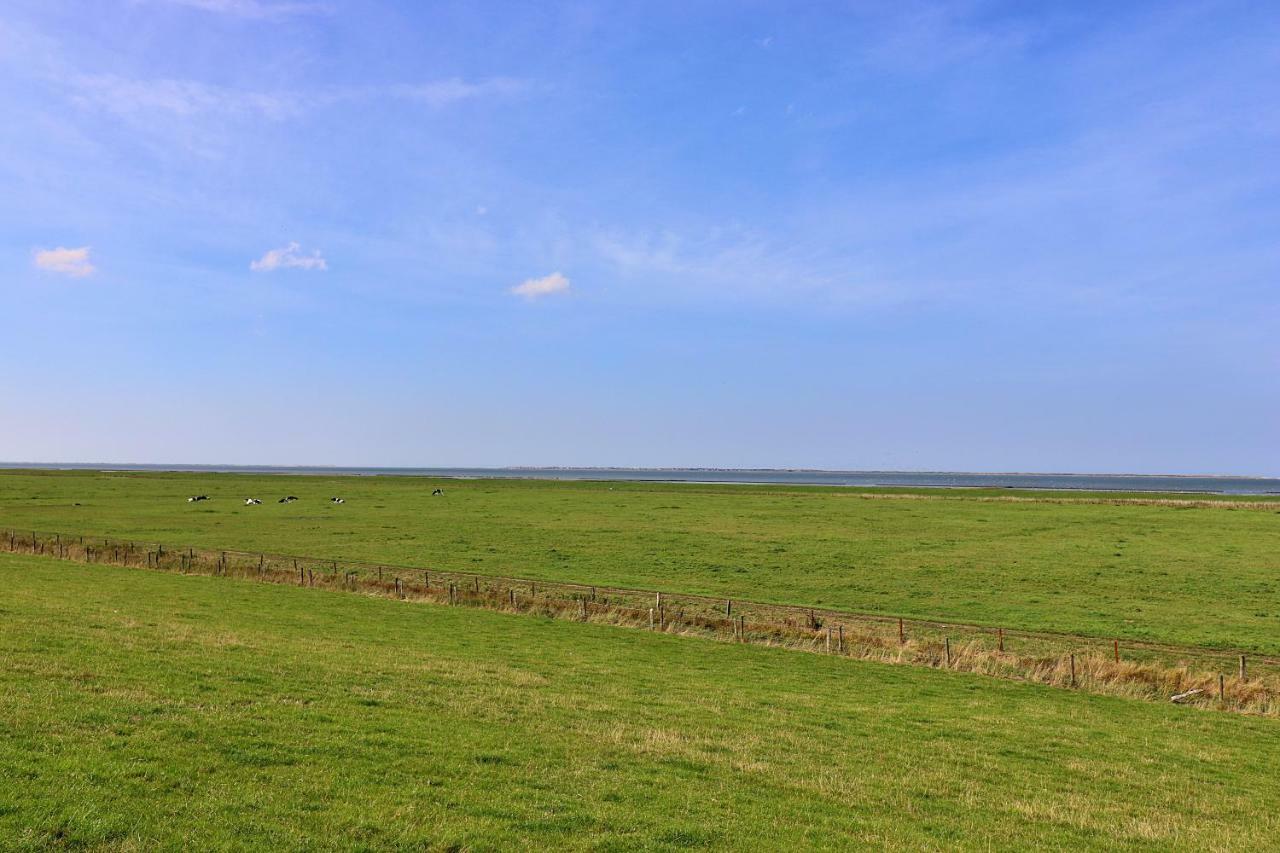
(1182, 697)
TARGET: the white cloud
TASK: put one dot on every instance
(534, 288)
(289, 257)
(72, 262)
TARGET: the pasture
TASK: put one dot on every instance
(1105, 565)
(146, 709)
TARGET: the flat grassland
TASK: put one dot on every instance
(1101, 565)
(145, 709)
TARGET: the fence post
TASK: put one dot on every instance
(650, 618)
(1000, 634)
(828, 639)
(946, 650)
(1117, 647)
(1222, 687)
(399, 591)
(511, 596)
(840, 648)
(1244, 676)
(582, 609)
(902, 634)
(728, 607)
(1073, 670)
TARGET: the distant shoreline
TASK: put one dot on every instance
(1168, 483)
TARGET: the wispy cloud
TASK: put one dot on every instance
(71, 262)
(535, 288)
(183, 98)
(134, 98)
(289, 257)
(439, 93)
(262, 9)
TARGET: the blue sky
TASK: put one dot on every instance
(963, 235)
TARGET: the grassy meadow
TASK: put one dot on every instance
(146, 709)
(1140, 570)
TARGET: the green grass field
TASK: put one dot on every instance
(146, 710)
(1207, 576)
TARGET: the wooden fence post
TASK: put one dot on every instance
(511, 596)
(902, 634)
(1244, 676)
(1222, 687)
(946, 650)
(1000, 634)
(1117, 648)
(828, 639)
(1073, 670)
(728, 607)
(650, 618)
(841, 646)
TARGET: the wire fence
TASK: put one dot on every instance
(1069, 659)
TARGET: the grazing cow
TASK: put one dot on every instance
(337, 500)
(197, 499)
(437, 492)
(251, 501)
(287, 499)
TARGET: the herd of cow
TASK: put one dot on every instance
(287, 499)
